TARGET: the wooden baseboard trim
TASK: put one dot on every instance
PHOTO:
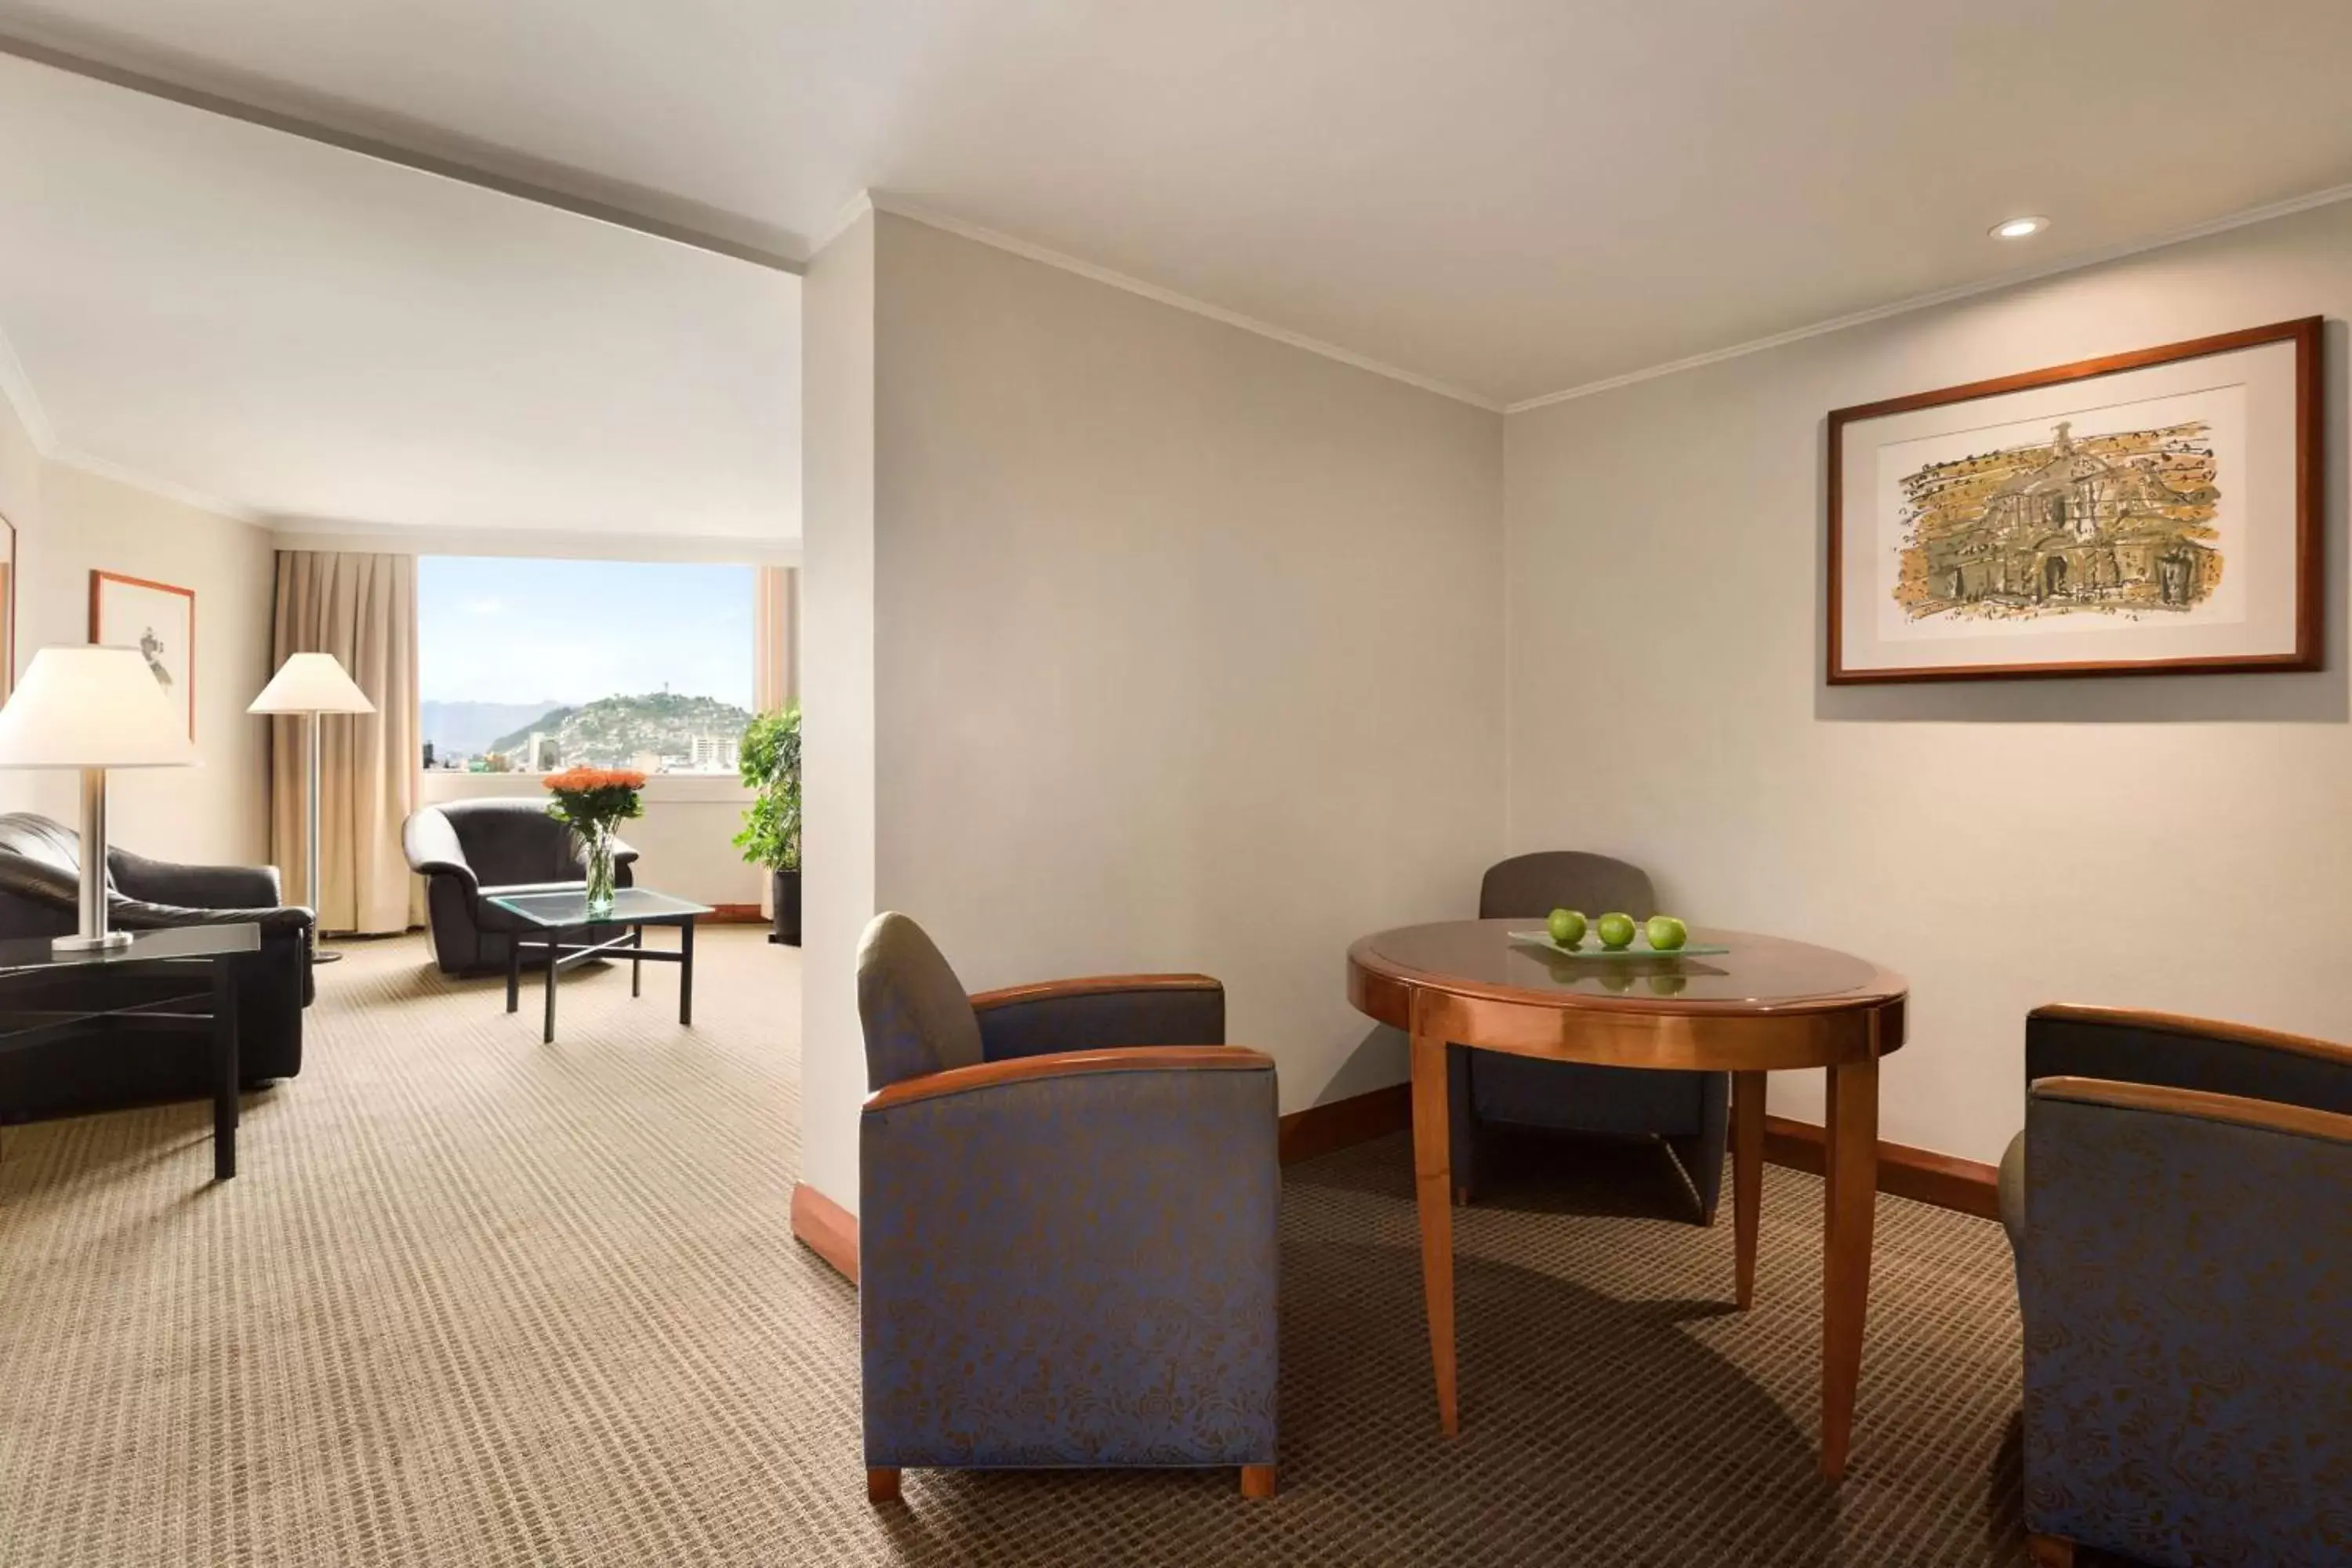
(1341, 1123)
(1922, 1175)
(829, 1230)
(735, 915)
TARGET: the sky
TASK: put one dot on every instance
(491, 629)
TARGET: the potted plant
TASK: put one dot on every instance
(770, 762)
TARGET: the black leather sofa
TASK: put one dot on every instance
(40, 872)
(470, 851)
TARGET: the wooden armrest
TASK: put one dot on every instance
(2181, 1024)
(1068, 1064)
(1089, 986)
(2267, 1114)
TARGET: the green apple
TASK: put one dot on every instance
(1566, 927)
(1616, 932)
(1668, 984)
(1665, 932)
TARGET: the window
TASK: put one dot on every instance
(526, 665)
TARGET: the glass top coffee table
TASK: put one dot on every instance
(556, 922)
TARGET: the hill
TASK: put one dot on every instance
(613, 731)
(460, 729)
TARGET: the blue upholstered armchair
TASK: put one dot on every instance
(1688, 1112)
(2180, 1202)
(1066, 1207)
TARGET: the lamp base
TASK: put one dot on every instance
(105, 942)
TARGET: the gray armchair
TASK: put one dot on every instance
(1688, 1112)
(470, 851)
(1066, 1212)
(2177, 1201)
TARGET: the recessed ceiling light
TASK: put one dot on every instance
(2019, 227)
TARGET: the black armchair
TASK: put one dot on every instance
(40, 877)
(470, 851)
(1688, 1112)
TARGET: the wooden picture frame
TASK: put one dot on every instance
(2181, 535)
(157, 618)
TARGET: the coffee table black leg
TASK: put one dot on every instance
(514, 974)
(686, 972)
(636, 966)
(555, 948)
(225, 1069)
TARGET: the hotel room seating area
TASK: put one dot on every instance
(1358, 784)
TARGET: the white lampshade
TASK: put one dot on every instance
(93, 707)
(311, 683)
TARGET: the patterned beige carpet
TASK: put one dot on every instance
(474, 1300)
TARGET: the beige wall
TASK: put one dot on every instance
(69, 522)
(2180, 843)
(838, 634)
(1185, 652)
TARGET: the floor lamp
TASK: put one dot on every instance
(91, 708)
(312, 684)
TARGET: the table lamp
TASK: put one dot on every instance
(93, 709)
(312, 684)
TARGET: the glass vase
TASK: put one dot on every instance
(597, 840)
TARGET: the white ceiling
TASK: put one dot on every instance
(313, 337)
(1510, 196)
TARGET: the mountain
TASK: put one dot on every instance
(612, 731)
(462, 729)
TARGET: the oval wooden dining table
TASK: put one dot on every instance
(1767, 1004)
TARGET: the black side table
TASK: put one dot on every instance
(204, 1007)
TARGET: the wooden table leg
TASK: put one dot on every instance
(1747, 1179)
(1849, 1200)
(1432, 1183)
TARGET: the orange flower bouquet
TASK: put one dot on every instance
(594, 800)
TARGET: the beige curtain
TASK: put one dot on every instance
(362, 609)
(776, 639)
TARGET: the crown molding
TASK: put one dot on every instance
(857, 207)
(118, 473)
(881, 200)
(547, 185)
(530, 544)
(2099, 258)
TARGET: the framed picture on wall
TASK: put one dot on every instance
(2146, 513)
(157, 619)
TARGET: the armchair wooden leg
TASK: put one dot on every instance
(1257, 1481)
(2050, 1551)
(882, 1486)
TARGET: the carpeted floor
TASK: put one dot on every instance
(475, 1301)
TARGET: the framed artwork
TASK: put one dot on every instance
(2146, 513)
(157, 619)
